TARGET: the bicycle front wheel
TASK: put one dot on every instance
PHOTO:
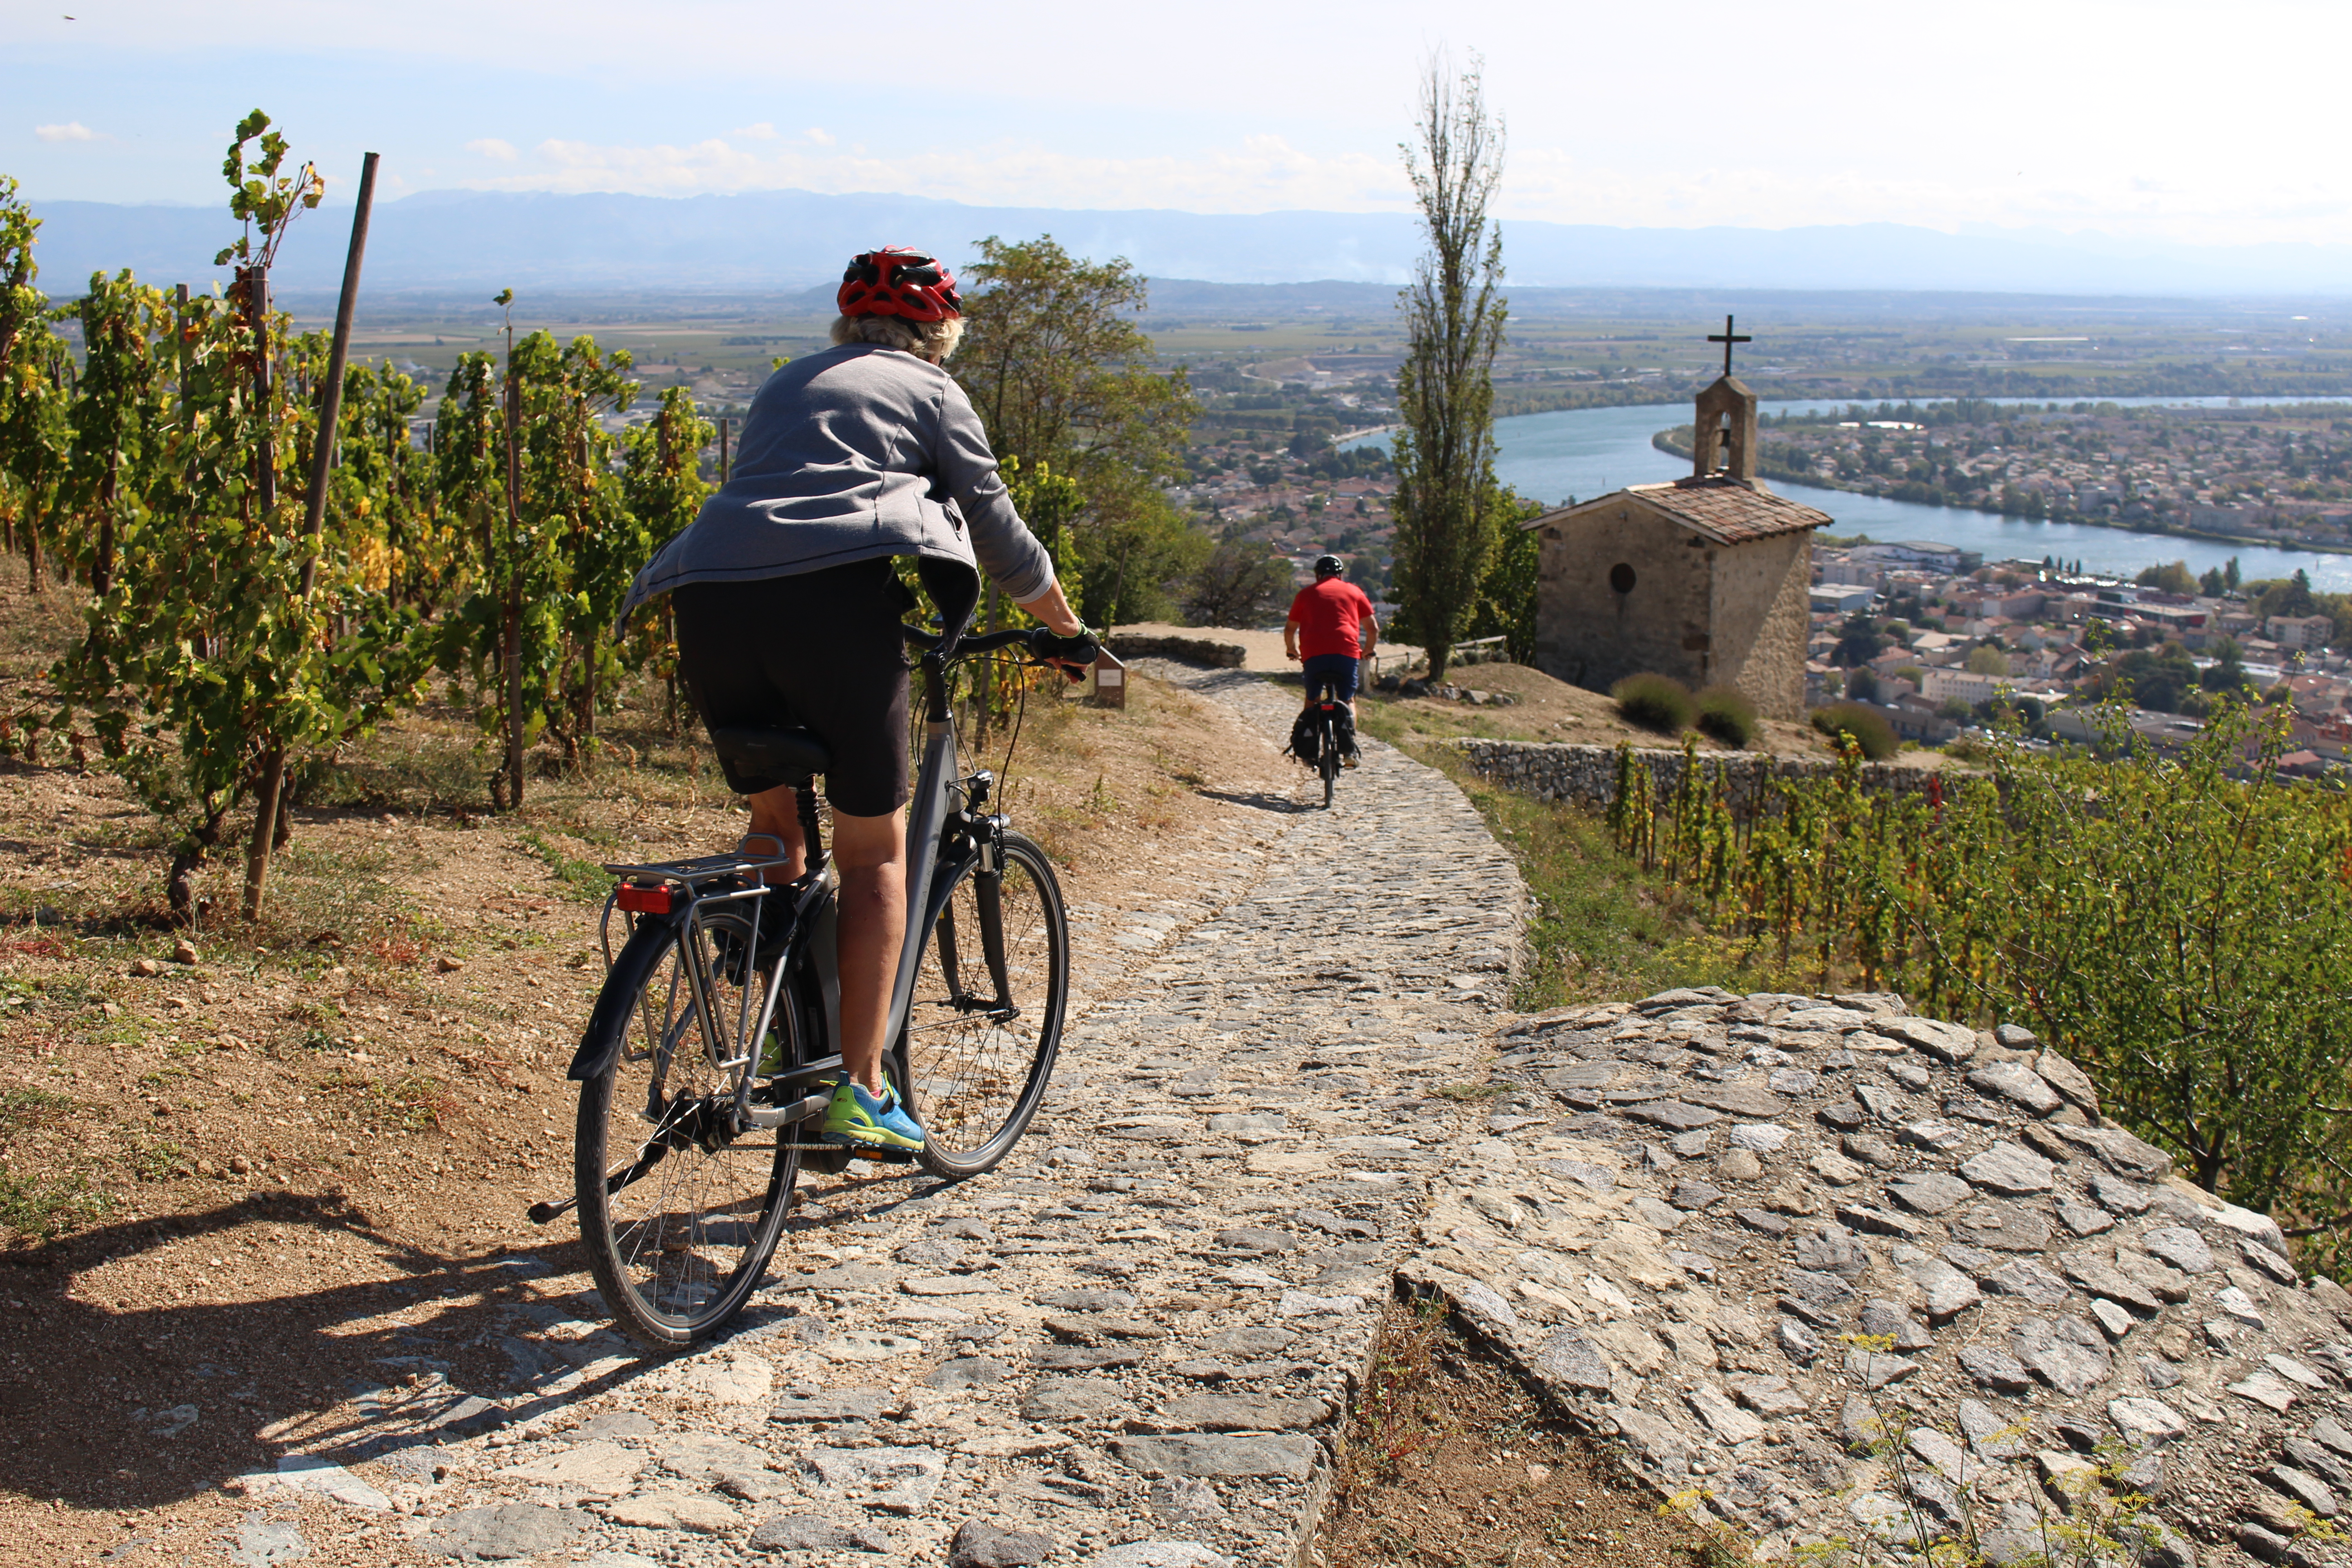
(679, 1212)
(987, 1014)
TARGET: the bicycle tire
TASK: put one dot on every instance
(1328, 763)
(679, 1249)
(986, 1022)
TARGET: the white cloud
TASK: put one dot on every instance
(71, 130)
(819, 135)
(762, 132)
(492, 147)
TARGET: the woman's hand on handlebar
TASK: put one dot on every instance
(1073, 655)
(1063, 639)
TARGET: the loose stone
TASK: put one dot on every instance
(809, 1533)
(2007, 1168)
(1206, 1455)
(1995, 1368)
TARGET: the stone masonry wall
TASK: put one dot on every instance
(1588, 775)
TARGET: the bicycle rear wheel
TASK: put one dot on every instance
(986, 1019)
(679, 1213)
(1327, 764)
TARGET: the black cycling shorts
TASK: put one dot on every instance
(821, 651)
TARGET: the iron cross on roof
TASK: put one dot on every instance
(1726, 338)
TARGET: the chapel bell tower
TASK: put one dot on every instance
(1723, 443)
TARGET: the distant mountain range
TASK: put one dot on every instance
(460, 243)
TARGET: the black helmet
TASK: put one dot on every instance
(1328, 566)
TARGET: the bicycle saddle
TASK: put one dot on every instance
(787, 756)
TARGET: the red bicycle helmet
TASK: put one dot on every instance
(897, 281)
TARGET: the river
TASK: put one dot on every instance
(1587, 452)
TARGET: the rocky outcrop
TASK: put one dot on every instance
(1831, 1270)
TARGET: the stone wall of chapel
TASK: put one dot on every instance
(1762, 617)
(1590, 634)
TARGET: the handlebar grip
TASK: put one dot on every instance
(1083, 648)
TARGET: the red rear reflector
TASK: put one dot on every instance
(639, 898)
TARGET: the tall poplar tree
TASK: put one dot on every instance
(1447, 503)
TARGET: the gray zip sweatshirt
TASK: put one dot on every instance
(853, 453)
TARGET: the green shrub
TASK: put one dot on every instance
(1867, 726)
(1657, 702)
(1725, 712)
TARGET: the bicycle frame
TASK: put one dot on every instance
(944, 835)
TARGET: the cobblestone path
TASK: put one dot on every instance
(1129, 1345)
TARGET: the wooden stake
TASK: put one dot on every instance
(510, 634)
(331, 397)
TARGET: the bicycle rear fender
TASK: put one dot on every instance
(600, 1043)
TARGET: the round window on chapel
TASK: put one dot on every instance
(1620, 577)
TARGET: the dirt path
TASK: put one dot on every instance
(344, 1280)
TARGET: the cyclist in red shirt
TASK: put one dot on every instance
(1331, 628)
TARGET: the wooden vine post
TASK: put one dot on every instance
(269, 821)
(510, 612)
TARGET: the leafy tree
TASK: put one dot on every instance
(1062, 377)
(1858, 641)
(1506, 594)
(2156, 678)
(1136, 564)
(2213, 584)
(1861, 683)
(2227, 673)
(1241, 585)
(2172, 577)
(1448, 506)
(1986, 659)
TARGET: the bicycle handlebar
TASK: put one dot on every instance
(1041, 643)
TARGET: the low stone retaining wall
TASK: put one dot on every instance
(1190, 650)
(1588, 775)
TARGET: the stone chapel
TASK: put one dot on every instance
(1707, 579)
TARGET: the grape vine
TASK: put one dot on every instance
(225, 651)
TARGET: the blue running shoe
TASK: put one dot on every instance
(858, 1117)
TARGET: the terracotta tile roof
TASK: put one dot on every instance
(1730, 511)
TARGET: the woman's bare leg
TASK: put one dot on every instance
(871, 852)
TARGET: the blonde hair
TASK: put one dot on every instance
(932, 339)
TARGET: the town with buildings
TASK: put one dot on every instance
(1266, 467)
(1938, 639)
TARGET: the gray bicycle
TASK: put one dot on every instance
(711, 1053)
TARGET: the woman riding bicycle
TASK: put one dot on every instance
(788, 607)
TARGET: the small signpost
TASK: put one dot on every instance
(1108, 687)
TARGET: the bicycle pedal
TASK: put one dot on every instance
(882, 1153)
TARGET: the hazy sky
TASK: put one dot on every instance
(2215, 122)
